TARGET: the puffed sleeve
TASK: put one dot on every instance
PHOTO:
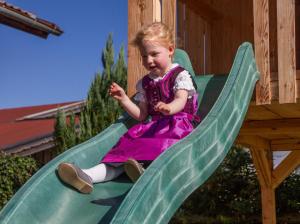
(184, 81)
(140, 95)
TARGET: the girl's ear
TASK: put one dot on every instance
(171, 50)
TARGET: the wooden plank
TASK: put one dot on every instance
(180, 39)
(278, 127)
(268, 205)
(262, 51)
(192, 40)
(285, 144)
(275, 85)
(274, 75)
(207, 51)
(262, 164)
(207, 11)
(261, 113)
(285, 168)
(252, 142)
(285, 111)
(273, 37)
(286, 51)
(140, 12)
(169, 14)
(157, 11)
(297, 15)
(275, 90)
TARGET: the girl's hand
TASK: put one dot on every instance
(117, 92)
(163, 108)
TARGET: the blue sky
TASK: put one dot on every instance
(37, 71)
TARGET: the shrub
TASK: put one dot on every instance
(14, 172)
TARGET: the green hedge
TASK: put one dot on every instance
(14, 172)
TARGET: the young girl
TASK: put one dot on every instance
(166, 93)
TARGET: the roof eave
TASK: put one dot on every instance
(22, 22)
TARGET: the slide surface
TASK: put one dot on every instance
(166, 183)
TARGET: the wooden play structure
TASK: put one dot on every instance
(211, 31)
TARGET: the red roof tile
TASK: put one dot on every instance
(13, 131)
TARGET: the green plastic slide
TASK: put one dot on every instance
(166, 183)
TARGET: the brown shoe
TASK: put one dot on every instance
(74, 176)
(133, 169)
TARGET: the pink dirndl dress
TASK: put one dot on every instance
(147, 140)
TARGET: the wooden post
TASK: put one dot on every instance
(268, 205)
(286, 51)
(262, 51)
(261, 153)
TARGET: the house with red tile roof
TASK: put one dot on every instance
(28, 131)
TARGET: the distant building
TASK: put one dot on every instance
(28, 131)
(18, 18)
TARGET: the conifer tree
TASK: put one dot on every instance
(71, 138)
(60, 130)
(100, 109)
(108, 58)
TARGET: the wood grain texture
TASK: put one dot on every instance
(262, 52)
(169, 14)
(140, 13)
(286, 51)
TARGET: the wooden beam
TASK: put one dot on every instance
(203, 9)
(169, 15)
(261, 155)
(285, 144)
(278, 127)
(286, 51)
(261, 159)
(140, 13)
(262, 50)
(256, 142)
(268, 205)
(284, 169)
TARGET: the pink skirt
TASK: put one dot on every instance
(146, 141)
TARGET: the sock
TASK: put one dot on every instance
(103, 172)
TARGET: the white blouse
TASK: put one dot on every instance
(182, 81)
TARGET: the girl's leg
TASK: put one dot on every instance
(83, 180)
(103, 172)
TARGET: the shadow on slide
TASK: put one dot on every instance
(166, 183)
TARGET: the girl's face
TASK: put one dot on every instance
(157, 59)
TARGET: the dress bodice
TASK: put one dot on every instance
(162, 90)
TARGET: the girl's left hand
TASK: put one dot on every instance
(117, 92)
(163, 108)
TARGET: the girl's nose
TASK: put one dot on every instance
(149, 59)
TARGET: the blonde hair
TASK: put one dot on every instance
(158, 32)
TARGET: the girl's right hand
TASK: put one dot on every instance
(117, 92)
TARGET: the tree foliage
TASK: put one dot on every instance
(14, 172)
(100, 109)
